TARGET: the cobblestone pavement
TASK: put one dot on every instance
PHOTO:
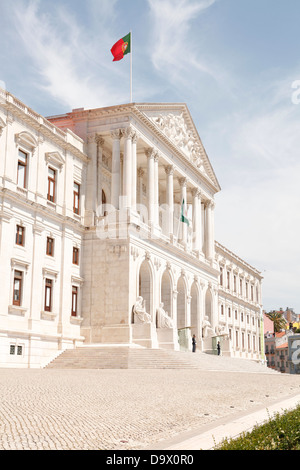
(124, 409)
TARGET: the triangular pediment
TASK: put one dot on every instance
(174, 122)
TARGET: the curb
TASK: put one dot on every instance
(207, 440)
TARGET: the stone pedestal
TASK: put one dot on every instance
(167, 338)
(207, 346)
(185, 339)
(145, 335)
(224, 344)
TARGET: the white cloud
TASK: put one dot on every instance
(71, 61)
(257, 213)
(173, 49)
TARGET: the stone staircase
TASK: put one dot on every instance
(126, 357)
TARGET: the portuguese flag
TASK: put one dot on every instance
(121, 48)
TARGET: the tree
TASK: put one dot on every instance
(278, 320)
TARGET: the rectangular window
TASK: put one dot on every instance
(237, 339)
(75, 256)
(76, 198)
(12, 349)
(74, 301)
(50, 246)
(48, 295)
(20, 236)
(22, 169)
(221, 276)
(234, 283)
(17, 294)
(51, 184)
(228, 280)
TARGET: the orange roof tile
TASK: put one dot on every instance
(282, 346)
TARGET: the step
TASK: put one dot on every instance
(107, 357)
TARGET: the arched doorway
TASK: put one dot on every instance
(145, 289)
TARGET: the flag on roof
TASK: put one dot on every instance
(121, 47)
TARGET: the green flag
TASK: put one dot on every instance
(183, 217)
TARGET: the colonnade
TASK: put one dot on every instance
(127, 183)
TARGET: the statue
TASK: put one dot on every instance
(221, 330)
(139, 311)
(163, 319)
(207, 330)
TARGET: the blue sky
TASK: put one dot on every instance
(233, 62)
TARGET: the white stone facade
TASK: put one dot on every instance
(137, 169)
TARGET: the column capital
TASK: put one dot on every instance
(135, 137)
(169, 169)
(116, 134)
(128, 132)
(196, 192)
(183, 182)
(95, 139)
(156, 157)
(210, 203)
(151, 152)
(99, 140)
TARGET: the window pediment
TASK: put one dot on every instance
(55, 158)
(27, 140)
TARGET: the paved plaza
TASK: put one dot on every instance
(128, 409)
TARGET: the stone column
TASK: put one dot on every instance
(100, 143)
(209, 208)
(127, 171)
(140, 174)
(196, 217)
(170, 199)
(183, 203)
(150, 184)
(91, 187)
(116, 175)
(156, 191)
(134, 171)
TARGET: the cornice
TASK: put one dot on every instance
(42, 125)
(225, 252)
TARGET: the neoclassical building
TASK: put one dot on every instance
(107, 236)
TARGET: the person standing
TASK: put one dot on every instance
(194, 343)
(219, 348)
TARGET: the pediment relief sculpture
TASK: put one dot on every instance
(175, 128)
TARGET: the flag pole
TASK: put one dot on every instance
(131, 66)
